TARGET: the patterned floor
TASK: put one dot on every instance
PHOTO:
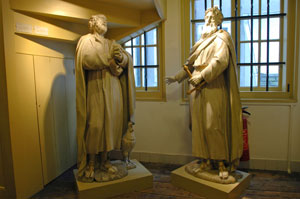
(264, 185)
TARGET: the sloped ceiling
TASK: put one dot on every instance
(125, 17)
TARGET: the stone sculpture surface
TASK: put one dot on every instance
(215, 107)
(105, 103)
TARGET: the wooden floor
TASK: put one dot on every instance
(264, 185)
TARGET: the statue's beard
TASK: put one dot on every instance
(100, 29)
(208, 30)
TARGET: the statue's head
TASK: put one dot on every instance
(213, 18)
(98, 24)
(213, 15)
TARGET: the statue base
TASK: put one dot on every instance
(208, 189)
(137, 179)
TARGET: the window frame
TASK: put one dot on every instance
(151, 93)
(288, 51)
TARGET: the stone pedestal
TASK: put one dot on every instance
(207, 189)
(137, 179)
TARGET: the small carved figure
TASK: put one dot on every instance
(128, 143)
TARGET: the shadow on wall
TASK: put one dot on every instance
(55, 94)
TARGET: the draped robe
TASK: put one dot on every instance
(105, 96)
(215, 109)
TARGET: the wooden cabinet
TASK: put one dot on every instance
(56, 110)
(43, 118)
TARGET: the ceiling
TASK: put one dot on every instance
(135, 4)
(125, 17)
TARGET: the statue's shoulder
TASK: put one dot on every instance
(223, 34)
(85, 37)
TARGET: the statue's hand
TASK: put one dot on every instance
(117, 53)
(196, 79)
(170, 79)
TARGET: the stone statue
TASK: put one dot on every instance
(215, 107)
(105, 102)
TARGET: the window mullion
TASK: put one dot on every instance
(237, 31)
(141, 61)
(145, 58)
(268, 44)
(280, 82)
(251, 49)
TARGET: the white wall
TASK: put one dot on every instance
(162, 127)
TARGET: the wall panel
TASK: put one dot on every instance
(56, 108)
(24, 127)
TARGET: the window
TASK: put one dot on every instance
(145, 51)
(259, 29)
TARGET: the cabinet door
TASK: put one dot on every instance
(55, 100)
(24, 132)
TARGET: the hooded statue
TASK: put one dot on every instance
(105, 96)
(215, 107)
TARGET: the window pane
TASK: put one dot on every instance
(263, 52)
(255, 52)
(217, 3)
(263, 7)
(255, 7)
(245, 30)
(151, 37)
(128, 50)
(263, 75)
(151, 55)
(151, 77)
(226, 25)
(263, 29)
(244, 76)
(245, 53)
(128, 43)
(274, 52)
(255, 76)
(198, 31)
(255, 29)
(199, 9)
(208, 4)
(274, 76)
(246, 7)
(245, 26)
(136, 41)
(274, 28)
(143, 56)
(245, 72)
(142, 39)
(274, 6)
(226, 8)
(136, 57)
(137, 77)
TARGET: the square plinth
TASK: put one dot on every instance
(137, 179)
(207, 189)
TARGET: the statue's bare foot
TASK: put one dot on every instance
(129, 164)
(109, 167)
(223, 173)
(203, 166)
(89, 172)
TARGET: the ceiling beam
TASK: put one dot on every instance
(79, 11)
